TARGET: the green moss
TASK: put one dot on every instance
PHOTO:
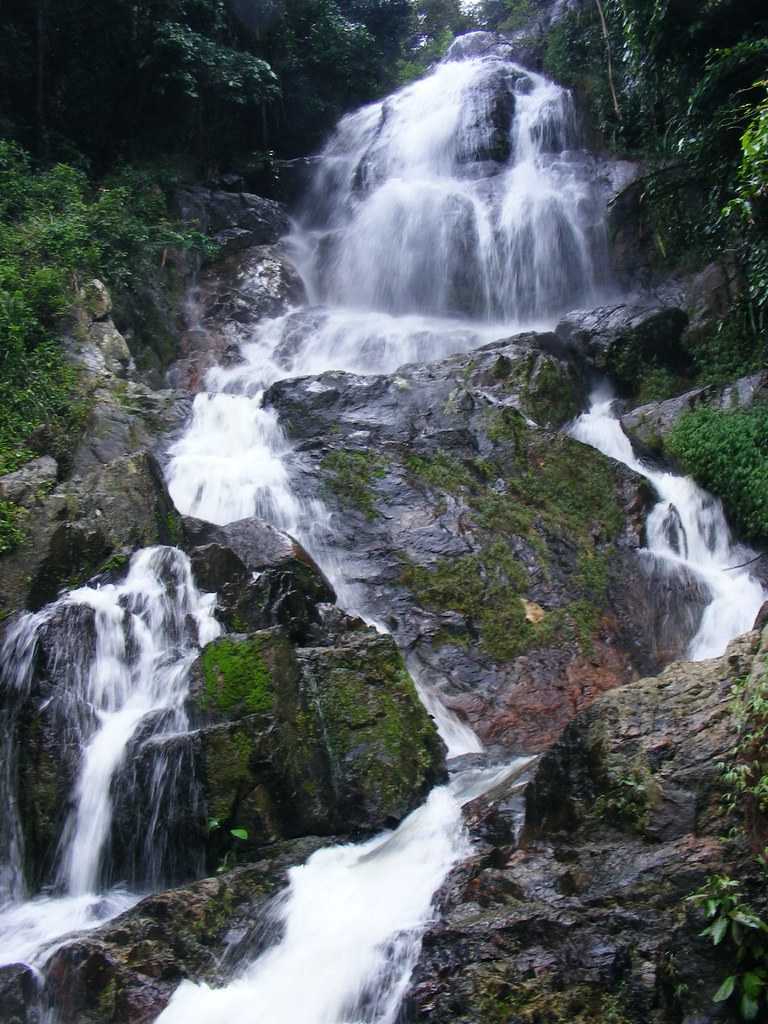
(534, 489)
(115, 562)
(228, 757)
(549, 395)
(174, 528)
(542, 1000)
(236, 676)
(351, 476)
(380, 737)
(12, 531)
(441, 471)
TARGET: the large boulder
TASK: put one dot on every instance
(584, 918)
(262, 577)
(497, 551)
(311, 740)
(623, 341)
(235, 220)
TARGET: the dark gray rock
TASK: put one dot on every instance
(28, 485)
(236, 220)
(262, 577)
(20, 991)
(584, 917)
(623, 341)
(231, 296)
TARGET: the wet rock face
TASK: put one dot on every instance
(623, 340)
(583, 918)
(88, 524)
(126, 972)
(262, 577)
(497, 551)
(230, 296)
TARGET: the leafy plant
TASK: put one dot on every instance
(727, 452)
(734, 921)
(230, 857)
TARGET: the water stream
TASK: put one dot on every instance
(686, 529)
(450, 214)
(120, 655)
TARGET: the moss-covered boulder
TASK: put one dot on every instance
(383, 750)
(298, 741)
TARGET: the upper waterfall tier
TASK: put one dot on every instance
(461, 194)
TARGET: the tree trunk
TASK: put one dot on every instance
(609, 59)
(42, 25)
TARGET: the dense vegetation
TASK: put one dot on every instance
(683, 86)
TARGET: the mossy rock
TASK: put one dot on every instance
(385, 754)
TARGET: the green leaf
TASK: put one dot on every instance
(239, 833)
(749, 1007)
(726, 989)
(752, 984)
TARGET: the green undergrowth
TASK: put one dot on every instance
(58, 231)
(351, 475)
(236, 676)
(11, 526)
(727, 452)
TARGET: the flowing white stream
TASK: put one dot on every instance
(126, 666)
(464, 195)
(686, 528)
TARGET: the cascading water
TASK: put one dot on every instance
(686, 530)
(120, 655)
(462, 196)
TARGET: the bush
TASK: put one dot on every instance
(56, 232)
(727, 452)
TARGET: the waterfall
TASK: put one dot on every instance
(686, 529)
(445, 216)
(450, 214)
(120, 659)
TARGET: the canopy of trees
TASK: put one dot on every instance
(131, 79)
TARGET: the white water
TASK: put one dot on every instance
(686, 529)
(460, 195)
(353, 920)
(147, 631)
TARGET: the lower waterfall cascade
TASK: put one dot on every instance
(454, 213)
